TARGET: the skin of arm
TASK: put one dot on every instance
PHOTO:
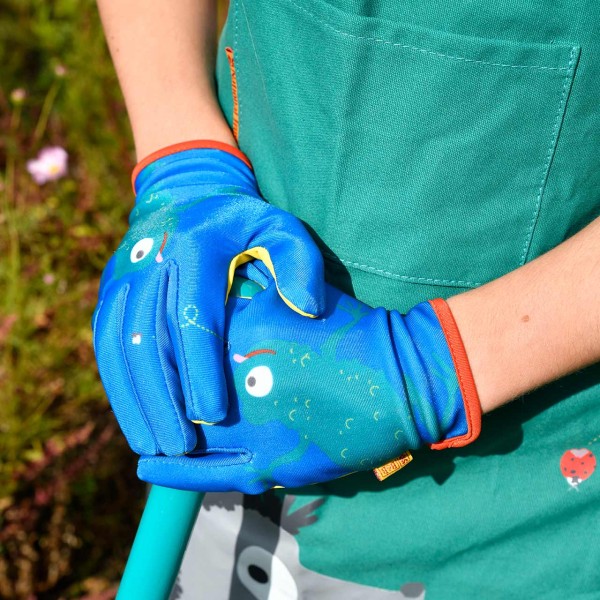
(535, 324)
(521, 331)
(164, 55)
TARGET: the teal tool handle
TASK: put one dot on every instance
(159, 544)
(166, 526)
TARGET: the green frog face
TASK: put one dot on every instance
(343, 407)
(145, 243)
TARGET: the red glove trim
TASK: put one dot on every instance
(464, 375)
(186, 146)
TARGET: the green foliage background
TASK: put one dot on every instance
(69, 498)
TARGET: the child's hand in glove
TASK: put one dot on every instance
(313, 400)
(159, 325)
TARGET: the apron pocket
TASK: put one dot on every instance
(412, 153)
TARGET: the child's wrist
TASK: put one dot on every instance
(150, 143)
(178, 119)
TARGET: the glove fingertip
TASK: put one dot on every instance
(303, 289)
(210, 410)
(306, 302)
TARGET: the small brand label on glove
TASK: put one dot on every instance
(393, 466)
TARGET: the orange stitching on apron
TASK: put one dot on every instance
(234, 92)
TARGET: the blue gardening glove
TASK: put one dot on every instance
(159, 325)
(313, 400)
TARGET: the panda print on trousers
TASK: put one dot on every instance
(245, 548)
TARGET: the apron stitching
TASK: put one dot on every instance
(555, 131)
(236, 46)
(423, 50)
(391, 275)
(549, 154)
(234, 92)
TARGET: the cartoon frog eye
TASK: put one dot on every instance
(141, 250)
(265, 575)
(259, 381)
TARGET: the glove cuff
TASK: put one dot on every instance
(180, 147)
(464, 375)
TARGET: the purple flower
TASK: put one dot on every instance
(50, 165)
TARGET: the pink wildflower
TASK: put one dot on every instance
(50, 165)
(18, 96)
(60, 70)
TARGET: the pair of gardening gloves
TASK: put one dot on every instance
(221, 382)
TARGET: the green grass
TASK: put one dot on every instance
(69, 499)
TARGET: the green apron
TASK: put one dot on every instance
(431, 147)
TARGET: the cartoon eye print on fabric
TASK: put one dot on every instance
(259, 381)
(143, 247)
(265, 575)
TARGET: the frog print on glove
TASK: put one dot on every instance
(296, 386)
(345, 437)
(144, 248)
(153, 225)
(197, 210)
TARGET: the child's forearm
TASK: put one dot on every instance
(164, 53)
(535, 324)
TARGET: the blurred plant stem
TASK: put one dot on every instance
(12, 292)
(42, 124)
